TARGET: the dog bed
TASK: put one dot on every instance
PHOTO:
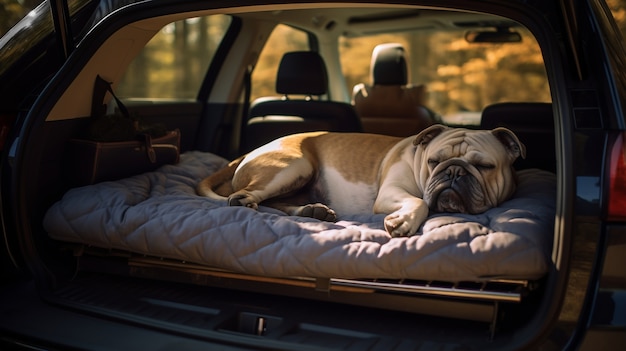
(159, 214)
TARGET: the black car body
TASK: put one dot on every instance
(59, 297)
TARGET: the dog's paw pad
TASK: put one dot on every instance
(318, 211)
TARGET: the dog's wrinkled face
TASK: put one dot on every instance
(466, 171)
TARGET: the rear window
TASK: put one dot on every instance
(461, 77)
(174, 63)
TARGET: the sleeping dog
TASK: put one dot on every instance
(440, 169)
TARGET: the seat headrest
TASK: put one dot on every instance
(518, 115)
(302, 73)
(389, 66)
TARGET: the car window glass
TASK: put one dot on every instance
(618, 9)
(282, 40)
(461, 77)
(13, 11)
(173, 64)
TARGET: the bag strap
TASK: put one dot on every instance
(150, 152)
(247, 86)
(100, 89)
(98, 109)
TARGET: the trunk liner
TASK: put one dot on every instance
(215, 301)
(260, 320)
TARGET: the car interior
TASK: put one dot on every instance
(299, 73)
(389, 105)
(234, 108)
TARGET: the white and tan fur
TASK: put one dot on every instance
(316, 174)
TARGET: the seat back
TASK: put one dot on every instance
(533, 123)
(299, 73)
(388, 105)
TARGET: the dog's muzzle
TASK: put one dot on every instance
(454, 189)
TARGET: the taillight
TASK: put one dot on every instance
(617, 183)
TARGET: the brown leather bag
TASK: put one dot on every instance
(96, 161)
(117, 146)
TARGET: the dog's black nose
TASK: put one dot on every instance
(455, 171)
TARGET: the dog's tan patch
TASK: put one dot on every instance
(356, 156)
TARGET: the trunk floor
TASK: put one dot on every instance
(223, 314)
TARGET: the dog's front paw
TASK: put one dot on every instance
(318, 211)
(240, 199)
(398, 225)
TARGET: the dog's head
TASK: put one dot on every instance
(466, 171)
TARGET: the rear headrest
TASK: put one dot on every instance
(388, 66)
(533, 123)
(302, 73)
(518, 116)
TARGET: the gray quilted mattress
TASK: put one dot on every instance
(159, 214)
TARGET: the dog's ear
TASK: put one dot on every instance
(510, 141)
(427, 135)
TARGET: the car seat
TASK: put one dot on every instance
(390, 106)
(300, 73)
(533, 123)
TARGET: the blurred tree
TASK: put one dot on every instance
(173, 64)
(283, 39)
(459, 76)
(618, 8)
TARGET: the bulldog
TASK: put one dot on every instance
(322, 174)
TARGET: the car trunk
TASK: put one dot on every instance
(275, 312)
(209, 303)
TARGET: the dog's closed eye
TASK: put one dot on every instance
(484, 166)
